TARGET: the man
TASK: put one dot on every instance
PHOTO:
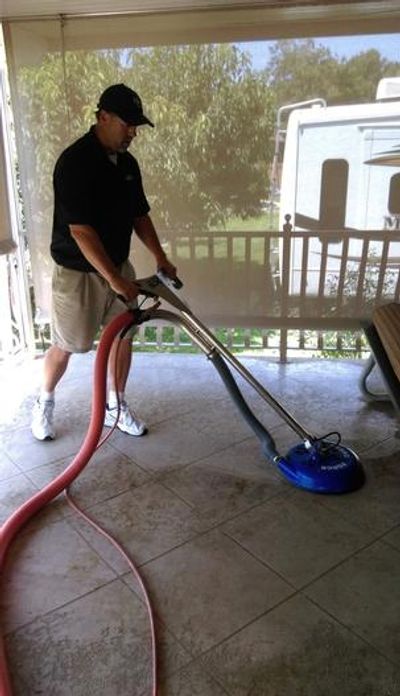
(98, 202)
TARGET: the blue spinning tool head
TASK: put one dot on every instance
(322, 467)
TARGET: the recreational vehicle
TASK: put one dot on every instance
(340, 176)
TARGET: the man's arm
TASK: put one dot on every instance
(93, 250)
(147, 234)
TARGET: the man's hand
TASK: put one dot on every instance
(146, 232)
(92, 248)
(126, 288)
(167, 267)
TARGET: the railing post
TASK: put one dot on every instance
(285, 272)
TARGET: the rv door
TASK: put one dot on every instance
(381, 179)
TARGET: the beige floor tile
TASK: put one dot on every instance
(376, 505)
(227, 483)
(209, 588)
(97, 644)
(7, 467)
(148, 521)
(27, 453)
(297, 537)
(393, 538)
(180, 441)
(16, 491)
(107, 474)
(297, 650)
(364, 594)
(46, 568)
(13, 493)
(191, 681)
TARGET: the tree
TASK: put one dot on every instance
(207, 157)
(303, 69)
(56, 104)
(359, 76)
(299, 70)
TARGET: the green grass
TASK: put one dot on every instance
(263, 222)
(220, 250)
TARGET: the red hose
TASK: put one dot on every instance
(14, 523)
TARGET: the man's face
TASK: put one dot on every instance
(119, 133)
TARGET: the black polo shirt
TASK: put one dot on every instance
(89, 189)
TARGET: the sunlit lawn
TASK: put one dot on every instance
(200, 250)
(262, 223)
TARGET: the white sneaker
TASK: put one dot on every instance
(128, 422)
(42, 420)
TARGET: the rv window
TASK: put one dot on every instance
(394, 195)
(332, 210)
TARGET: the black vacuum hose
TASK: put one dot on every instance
(268, 444)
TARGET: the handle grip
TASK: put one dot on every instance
(175, 282)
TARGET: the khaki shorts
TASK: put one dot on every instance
(82, 303)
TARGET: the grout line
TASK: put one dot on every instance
(57, 608)
(249, 623)
(92, 548)
(351, 555)
(203, 457)
(263, 562)
(350, 629)
(345, 560)
(389, 543)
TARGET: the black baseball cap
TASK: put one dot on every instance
(123, 101)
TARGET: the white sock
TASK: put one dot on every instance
(46, 395)
(112, 398)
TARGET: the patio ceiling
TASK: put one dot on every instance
(12, 9)
(191, 21)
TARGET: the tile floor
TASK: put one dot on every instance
(259, 589)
